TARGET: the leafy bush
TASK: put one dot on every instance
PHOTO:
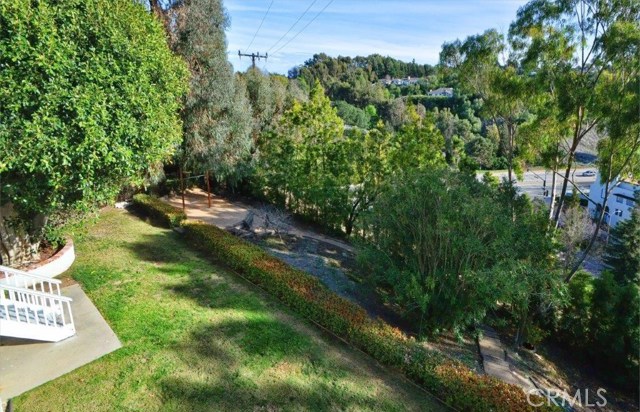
(602, 323)
(449, 379)
(574, 323)
(158, 210)
(352, 115)
(447, 259)
(90, 98)
(602, 318)
(614, 332)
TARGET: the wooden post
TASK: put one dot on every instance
(206, 176)
(182, 187)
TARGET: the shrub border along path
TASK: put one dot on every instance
(459, 387)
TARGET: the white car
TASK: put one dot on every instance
(588, 173)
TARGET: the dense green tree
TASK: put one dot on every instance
(449, 60)
(216, 114)
(352, 115)
(368, 171)
(448, 259)
(481, 151)
(90, 96)
(623, 250)
(615, 330)
(304, 161)
(483, 71)
(571, 45)
(262, 100)
(575, 322)
(457, 132)
(321, 66)
(601, 322)
(351, 80)
(396, 112)
(310, 164)
(417, 145)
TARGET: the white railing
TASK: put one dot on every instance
(22, 279)
(33, 300)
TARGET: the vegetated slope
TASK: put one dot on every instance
(588, 147)
(197, 338)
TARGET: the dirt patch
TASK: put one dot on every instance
(333, 265)
(462, 348)
(45, 251)
(66, 281)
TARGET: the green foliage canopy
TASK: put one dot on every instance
(602, 322)
(623, 250)
(217, 115)
(448, 248)
(89, 100)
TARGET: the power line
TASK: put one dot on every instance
(259, 27)
(292, 26)
(307, 25)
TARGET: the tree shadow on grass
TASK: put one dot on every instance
(257, 363)
(160, 248)
(140, 214)
(188, 395)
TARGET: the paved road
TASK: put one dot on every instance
(535, 181)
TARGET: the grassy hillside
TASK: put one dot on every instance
(197, 338)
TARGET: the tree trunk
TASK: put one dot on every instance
(522, 327)
(510, 133)
(181, 187)
(563, 192)
(553, 190)
(208, 189)
(348, 227)
(19, 244)
(575, 267)
(577, 136)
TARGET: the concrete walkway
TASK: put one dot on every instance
(26, 364)
(225, 214)
(496, 363)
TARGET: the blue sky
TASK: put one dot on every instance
(403, 29)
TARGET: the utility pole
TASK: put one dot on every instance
(253, 56)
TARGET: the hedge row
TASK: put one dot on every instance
(451, 380)
(158, 210)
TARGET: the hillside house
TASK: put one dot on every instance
(442, 92)
(387, 81)
(623, 198)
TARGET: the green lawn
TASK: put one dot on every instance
(196, 337)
